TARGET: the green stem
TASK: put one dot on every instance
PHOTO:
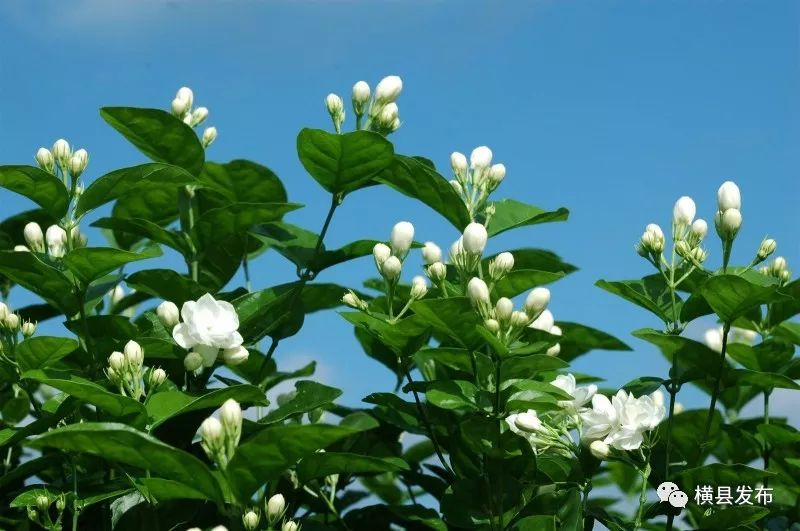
(673, 391)
(767, 449)
(186, 204)
(423, 415)
(499, 485)
(75, 511)
(645, 474)
(726, 328)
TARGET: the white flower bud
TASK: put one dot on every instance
(62, 152)
(683, 212)
(231, 416)
(209, 135)
(28, 329)
(235, 355)
(779, 263)
(78, 162)
(699, 229)
(503, 309)
(250, 520)
(34, 237)
(474, 238)
(419, 287)
(21, 249)
(478, 292)
(276, 505)
(492, 325)
(334, 104)
(728, 223)
(391, 268)
(528, 421)
(388, 89)
(61, 503)
(360, 97)
(555, 350)
(402, 237)
(117, 294)
(198, 116)
(212, 432)
(544, 322)
(193, 361)
(496, 175)
(481, 158)
(133, 354)
(168, 314)
(728, 196)
(437, 272)
(43, 503)
(157, 377)
(12, 322)
(45, 159)
(501, 265)
(4, 311)
(381, 252)
(431, 253)
(290, 525)
(458, 161)
(766, 248)
(599, 449)
(389, 114)
(457, 187)
(180, 107)
(353, 300)
(117, 361)
(56, 240)
(519, 319)
(186, 94)
(536, 301)
(655, 229)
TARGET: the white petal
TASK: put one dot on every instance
(181, 335)
(187, 311)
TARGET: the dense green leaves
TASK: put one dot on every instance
(324, 464)
(32, 272)
(41, 187)
(731, 296)
(308, 395)
(90, 263)
(165, 405)
(41, 351)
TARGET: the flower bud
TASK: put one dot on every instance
(117, 361)
(728, 196)
(391, 268)
(402, 237)
(497, 173)
(45, 159)
(381, 252)
(157, 377)
(335, 107)
(537, 301)
(56, 240)
(209, 135)
(198, 116)
(728, 223)
(78, 162)
(354, 301)
(698, 255)
(457, 187)
(519, 319)
(779, 263)
(555, 350)
(437, 272)
(492, 325)
(12, 322)
(43, 503)
(235, 355)
(478, 292)
(419, 287)
(652, 240)
(212, 432)
(250, 520)
(459, 164)
(474, 238)
(186, 94)
(683, 249)
(276, 505)
(528, 421)
(544, 322)
(4, 311)
(28, 329)
(699, 229)
(360, 97)
(231, 416)
(21, 249)
(180, 107)
(62, 152)
(503, 309)
(32, 514)
(61, 503)
(431, 253)
(168, 314)
(117, 294)
(683, 212)
(134, 355)
(388, 89)
(481, 158)
(193, 361)
(34, 237)
(501, 265)
(599, 449)
(766, 248)
(389, 114)
(290, 525)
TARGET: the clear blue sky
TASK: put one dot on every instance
(612, 109)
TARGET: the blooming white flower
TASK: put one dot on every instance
(535, 304)
(401, 238)
(580, 395)
(235, 355)
(481, 158)
(208, 325)
(34, 237)
(683, 212)
(622, 421)
(728, 196)
(391, 268)
(388, 89)
(168, 314)
(431, 253)
(478, 291)
(474, 238)
(56, 240)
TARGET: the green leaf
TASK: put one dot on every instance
(166, 405)
(41, 187)
(650, 293)
(166, 284)
(308, 395)
(643, 385)
(274, 449)
(242, 181)
(510, 214)
(521, 280)
(159, 135)
(123, 444)
(531, 394)
(41, 351)
(90, 263)
(343, 163)
(769, 356)
(722, 474)
(454, 394)
(781, 311)
(30, 272)
(761, 380)
(414, 178)
(453, 317)
(537, 259)
(231, 220)
(579, 339)
(157, 204)
(694, 359)
(733, 517)
(134, 180)
(536, 523)
(731, 296)
(146, 229)
(162, 490)
(324, 464)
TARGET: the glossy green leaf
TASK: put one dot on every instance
(146, 229)
(31, 272)
(731, 296)
(90, 263)
(162, 490)
(324, 464)
(694, 359)
(40, 352)
(455, 394)
(157, 204)
(650, 293)
(159, 135)
(786, 309)
(521, 280)
(343, 163)
(123, 444)
(165, 405)
(453, 317)
(41, 187)
(579, 339)
(242, 181)
(510, 214)
(166, 284)
(308, 395)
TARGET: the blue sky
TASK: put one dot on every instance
(613, 109)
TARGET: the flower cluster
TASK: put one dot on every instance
(380, 109)
(687, 235)
(209, 331)
(728, 218)
(623, 421)
(467, 251)
(778, 268)
(62, 160)
(219, 437)
(275, 509)
(54, 242)
(476, 181)
(126, 370)
(12, 324)
(182, 108)
(40, 511)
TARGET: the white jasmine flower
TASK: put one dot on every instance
(208, 325)
(728, 196)
(474, 238)
(431, 253)
(544, 322)
(402, 237)
(388, 89)
(580, 395)
(684, 211)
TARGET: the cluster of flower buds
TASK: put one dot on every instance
(389, 258)
(728, 218)
(55, 241)
(11, 323)
(778, 268)
(40, 511)
(70, 163)
(541, 436)
(476, 181)
(126, 370)
(352, 300)
(765, 250)
(383, 115)
(687, 235)
(219, 437)
(275, 510)
(182, 107)
(467, 251)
